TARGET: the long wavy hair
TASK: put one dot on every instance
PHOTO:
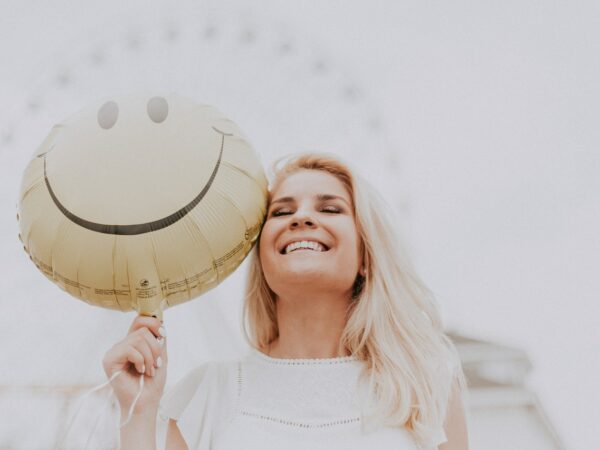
(393, 323)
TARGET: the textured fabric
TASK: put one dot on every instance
(271, 403)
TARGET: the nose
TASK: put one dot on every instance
(300, 221)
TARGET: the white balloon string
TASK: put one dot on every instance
(134, 401)
(107, 405)
(81, 401)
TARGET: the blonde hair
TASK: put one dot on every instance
(393, 321)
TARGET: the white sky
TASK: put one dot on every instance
(491, 110)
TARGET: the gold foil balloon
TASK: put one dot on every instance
(142, 203)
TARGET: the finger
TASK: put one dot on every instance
(136, 358)
(152, 323)
(156, 345)
(141, 345)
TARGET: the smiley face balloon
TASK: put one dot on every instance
(141, 203)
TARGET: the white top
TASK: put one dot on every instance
(267, 403)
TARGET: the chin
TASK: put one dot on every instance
(312, 279)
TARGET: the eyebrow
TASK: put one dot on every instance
(319, 197)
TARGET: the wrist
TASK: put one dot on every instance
(146, 413)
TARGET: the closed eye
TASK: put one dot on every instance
(330, 209)
(281, 212)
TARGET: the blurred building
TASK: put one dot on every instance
(503, 414)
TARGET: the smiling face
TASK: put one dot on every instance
(310, 240)
(122, 158)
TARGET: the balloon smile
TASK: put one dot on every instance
(139, 228)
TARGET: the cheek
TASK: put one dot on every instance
(266, 243)
(352, 238)
(356, 254)
(261, 246)
(355, 261)
(265, 237)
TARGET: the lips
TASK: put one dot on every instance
(303, 244)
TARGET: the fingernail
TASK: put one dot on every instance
(158, 362)
(144, 368)
(162, 332)
(161, 342)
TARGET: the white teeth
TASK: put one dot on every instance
(311, 245)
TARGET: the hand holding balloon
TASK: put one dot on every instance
(142, 351)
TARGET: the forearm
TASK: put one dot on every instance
(140, 431)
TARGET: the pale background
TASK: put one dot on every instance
(479, 120)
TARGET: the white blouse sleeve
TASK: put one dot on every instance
(437, 439)
(189, 403)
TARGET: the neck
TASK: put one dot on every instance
(310, 326)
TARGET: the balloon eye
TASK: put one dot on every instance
(108, 115)
(158, 109)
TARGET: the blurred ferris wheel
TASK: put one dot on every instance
(288, 93)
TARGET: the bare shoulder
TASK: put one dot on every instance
(175, 440)
(455, 425)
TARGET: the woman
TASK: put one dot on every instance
(347, 346)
